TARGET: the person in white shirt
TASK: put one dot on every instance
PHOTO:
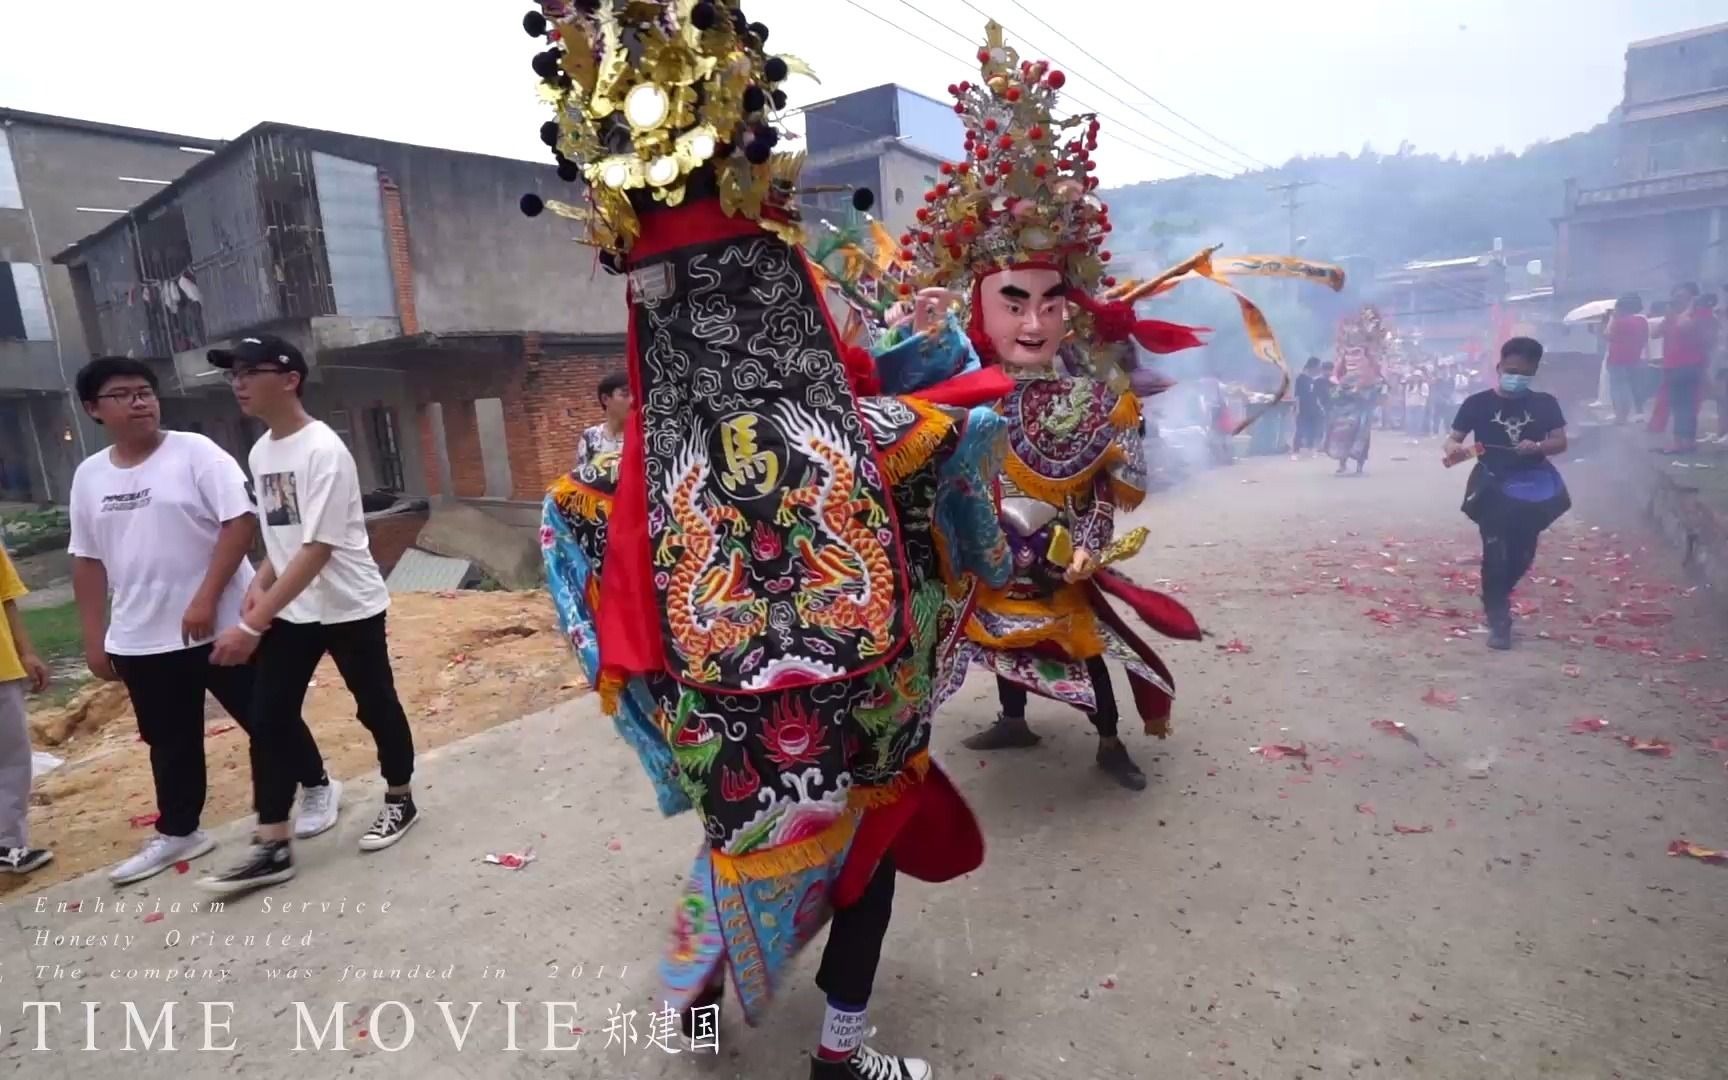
(318, 592)
(161, 524)
(605, 440)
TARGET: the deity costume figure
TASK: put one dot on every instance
(1017, 228)
(768, 584)
(1363, 347)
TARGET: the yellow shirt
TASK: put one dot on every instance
(11, 588)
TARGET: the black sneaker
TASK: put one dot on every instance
(1500, 636)
(267, 862)
(24, 860)
(867, 1064)
(1007, 733)
(708, 1002)
(395, 819)
(1114, 760)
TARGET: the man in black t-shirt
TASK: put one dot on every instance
(1310, 415)
(1515, 492)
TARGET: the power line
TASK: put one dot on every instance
(1182, 159)
(901, 29)
(1142, 91)
(1227, 164)
(1181, 164)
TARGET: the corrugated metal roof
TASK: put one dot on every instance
(422, 571)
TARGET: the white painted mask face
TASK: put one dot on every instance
(1025, 315)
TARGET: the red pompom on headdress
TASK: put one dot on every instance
(1114, 321)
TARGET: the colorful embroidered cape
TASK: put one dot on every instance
(1074, 457)
(813, 556)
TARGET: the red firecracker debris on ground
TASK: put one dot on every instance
(1586, 725)
(1236, 646)
(1365, 808)
(1444, 699)
(1280, 751)
(1412, 830)
(1394, 727)
(143, 821)
(1688, 849)
(1653, 747)
(511, 860)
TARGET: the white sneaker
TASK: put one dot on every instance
(319, 807)
(159, 853)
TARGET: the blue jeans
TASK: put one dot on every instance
(1685, 390)
(1623, 389)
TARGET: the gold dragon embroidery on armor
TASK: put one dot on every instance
(709, 605)
(848, 581)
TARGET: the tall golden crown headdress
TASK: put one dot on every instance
(648, 94)
(1024, 195)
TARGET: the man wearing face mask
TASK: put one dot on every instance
(1514, 492)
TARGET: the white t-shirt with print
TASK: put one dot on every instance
(153, 527)
(309, 492)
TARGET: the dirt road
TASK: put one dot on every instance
(464, 662)
(1480, 894)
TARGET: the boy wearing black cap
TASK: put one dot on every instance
(317, 592)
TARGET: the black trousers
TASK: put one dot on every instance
(849, 960)
(1507, 552)
(1104, 717)
(167, 692)
(287, 658)
(1310, 429)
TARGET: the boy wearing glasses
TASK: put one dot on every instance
(161, 524)
(319, 592)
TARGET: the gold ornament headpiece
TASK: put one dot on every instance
(1024, 195)
(648, 93)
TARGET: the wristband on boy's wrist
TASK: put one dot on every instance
(248, 631)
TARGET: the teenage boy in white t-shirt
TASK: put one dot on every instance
(161, 524)
(318, 592)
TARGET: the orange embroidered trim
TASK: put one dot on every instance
(865, 798)
(574, 499)
(1070, 623)
(1055, 491)
(610, 687)
(1126, 415)
(807, 854)
(1126, 496)
(916, 447)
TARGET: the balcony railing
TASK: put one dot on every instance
(1652, 188)
(236, 247)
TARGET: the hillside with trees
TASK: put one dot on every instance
(1370, 212)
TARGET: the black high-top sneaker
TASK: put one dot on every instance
(1114, 760)
(867, 1064)
(1499, 625)
(267, 862)
(1007, 733)
(702, 1018)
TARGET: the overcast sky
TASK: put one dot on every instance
(1271, 78)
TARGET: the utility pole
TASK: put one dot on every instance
(1292, 191)
(1292, 203)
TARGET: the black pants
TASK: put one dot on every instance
(167, 692)
(287, 658)
(1310, 428)
(1507, 553)
(1104, 716)
(848, 971)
